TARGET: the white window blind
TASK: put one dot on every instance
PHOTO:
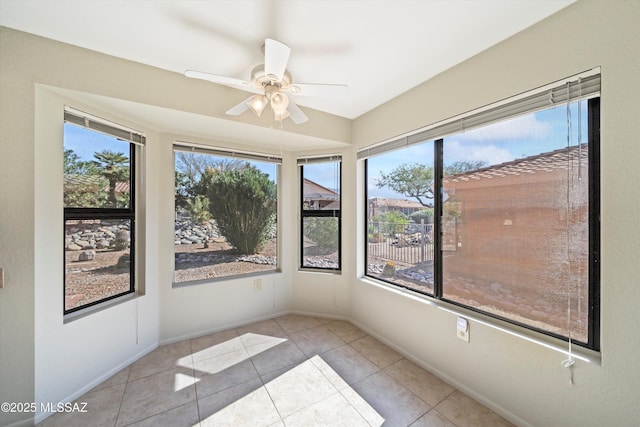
(582, 86)
(106, 127)
(319, 159)
(224, 152)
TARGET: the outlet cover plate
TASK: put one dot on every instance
(462, 329)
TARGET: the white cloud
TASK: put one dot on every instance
(527, 126)
(492, 155)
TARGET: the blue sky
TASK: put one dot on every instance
(325, 174)
(520, 137)
(85, 142)
(508, 140)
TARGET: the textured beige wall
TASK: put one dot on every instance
(37, 78)
(522, 380)
(16, 235)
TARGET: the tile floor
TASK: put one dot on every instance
(290, 371)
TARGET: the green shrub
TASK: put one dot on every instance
(422, 214)
(199, 209)
(323, 231)
(90, 195)
(243, 203)
(391, 222)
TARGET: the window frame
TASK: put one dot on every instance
(134, 138)
(221, 151)
(320, 213)
(593, 114)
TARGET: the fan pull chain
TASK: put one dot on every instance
(569, 362)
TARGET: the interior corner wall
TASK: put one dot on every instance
(323, 293)
(521, 380)
(72, 357)
(16, 238)
(191, 310)
(44, 360)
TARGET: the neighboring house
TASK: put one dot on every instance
(317, 197)
(504, 220)
(92, 180)
(80, 179)
(379, 205)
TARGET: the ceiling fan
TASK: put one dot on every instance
(271, 82)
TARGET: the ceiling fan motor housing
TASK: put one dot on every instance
(262, 80)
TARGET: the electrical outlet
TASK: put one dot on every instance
(462, 329)
(257, 285)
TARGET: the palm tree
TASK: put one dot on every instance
(114, 167)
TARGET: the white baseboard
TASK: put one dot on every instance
(41, 416)
(453, 382)
(500, 410)
(222, 328)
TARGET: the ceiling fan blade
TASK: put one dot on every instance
(323, 90)
(239, 109)
(276, 56)
(296, 114)
(227, 81)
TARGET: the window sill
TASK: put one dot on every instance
(224, 278)
(98, 307)
(560, 346)
(319, 270)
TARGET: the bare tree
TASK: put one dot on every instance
(194, 165)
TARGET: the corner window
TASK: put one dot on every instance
(514, 205)
(320, 212)
(226, 206)
(515, 229)
(99, 210)
(400, 206)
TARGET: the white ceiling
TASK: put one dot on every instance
(380, 48)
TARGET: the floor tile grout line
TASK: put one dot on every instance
(369, 359)
(244, 345)
(306, 358)
(433, 407)
(420, 416)
(124, 392)
(155, 415)
(451, 393)
(442, 400)
(262, 379)
(365, 356)
(353, 406)
(343, 342)
(272, 401)
(129, 379)
(156, 373)
(444, 416)
(226, 388)
(337, 391)
(380, 370)
(195, 385)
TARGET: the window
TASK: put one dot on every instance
(320, 212)
(99, 210)
(226, 207)
(515, 234)
(400, 201)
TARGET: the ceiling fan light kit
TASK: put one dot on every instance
(271, 82)
(257, 104)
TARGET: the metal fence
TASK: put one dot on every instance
(403, 243)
